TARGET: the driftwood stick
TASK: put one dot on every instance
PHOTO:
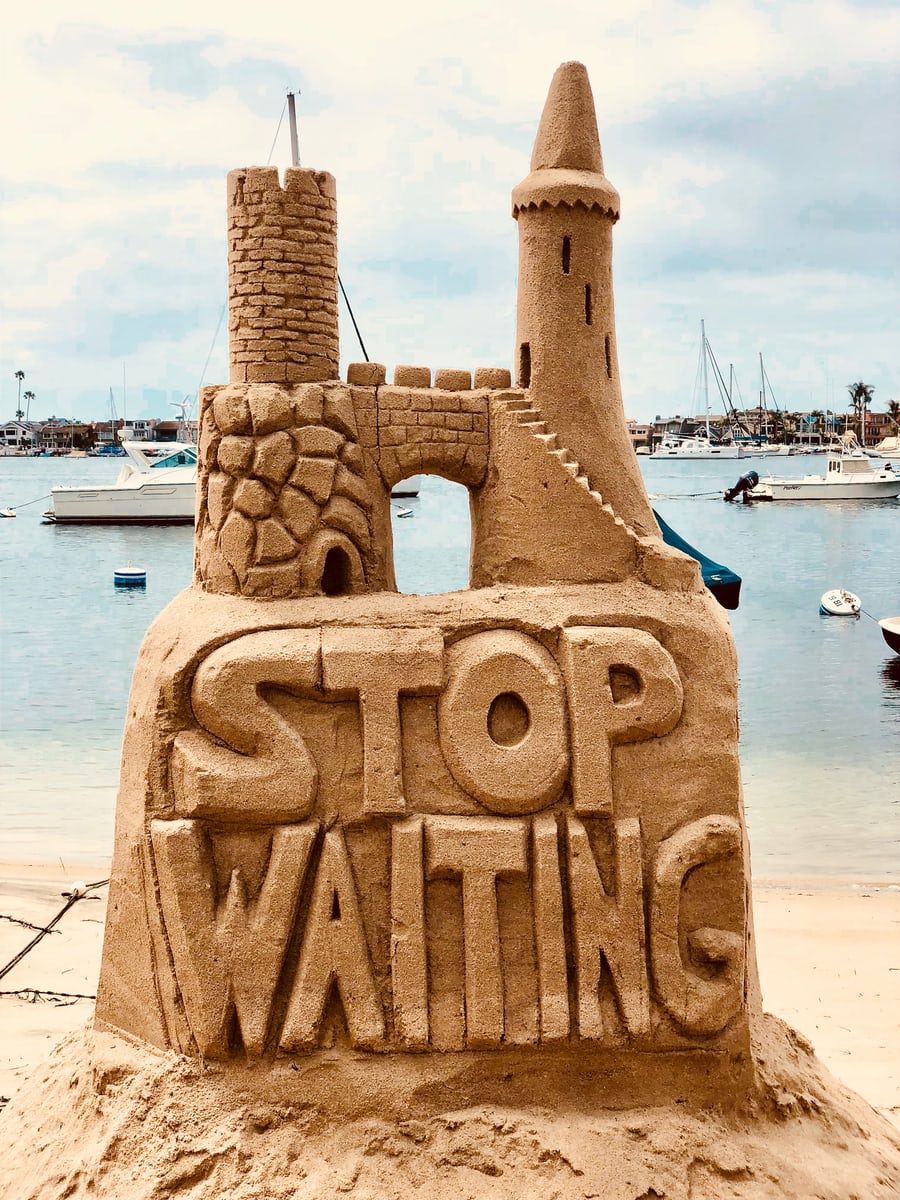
(40, 993)
(27, 924)
(71, 898)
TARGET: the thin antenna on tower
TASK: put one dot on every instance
(292, 118)
(295, 161)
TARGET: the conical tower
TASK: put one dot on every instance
(566, 339)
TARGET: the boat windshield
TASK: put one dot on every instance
(182, 455)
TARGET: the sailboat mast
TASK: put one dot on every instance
(705, 374)
(292, 118)
(764, 414)
(295, 161)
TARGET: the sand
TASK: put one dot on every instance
(829, 959)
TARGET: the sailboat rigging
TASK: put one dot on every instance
(700, 445)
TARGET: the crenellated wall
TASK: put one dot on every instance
(441, 429)
(295, 479)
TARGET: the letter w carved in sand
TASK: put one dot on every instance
(228, 951)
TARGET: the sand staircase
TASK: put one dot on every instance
(528, 416)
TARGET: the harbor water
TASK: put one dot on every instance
(819, 696)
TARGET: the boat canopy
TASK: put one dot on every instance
(721, 581)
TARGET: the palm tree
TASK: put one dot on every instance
(860, 395)
(894, 410)
(29, 396)
(20, 375)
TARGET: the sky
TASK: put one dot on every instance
(754, 144)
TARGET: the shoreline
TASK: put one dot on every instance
(828, 952)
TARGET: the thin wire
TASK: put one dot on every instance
(277, 131)
(353, 319)
(212, 347)
(215, 337)
(684, 495)
(16, 507)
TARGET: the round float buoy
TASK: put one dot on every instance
(840, 603)
(130, 576)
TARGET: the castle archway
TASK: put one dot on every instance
(432, 547)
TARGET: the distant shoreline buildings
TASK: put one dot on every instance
(58, 436)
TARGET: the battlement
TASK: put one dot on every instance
(369, 374)
(247, 184)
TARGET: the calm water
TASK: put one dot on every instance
(820, 697)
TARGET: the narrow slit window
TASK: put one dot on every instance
(525, 365)
(566, 254)
(588, 315)
(608, 359)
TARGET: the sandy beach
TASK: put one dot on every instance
(828, 951)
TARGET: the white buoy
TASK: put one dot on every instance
(839, 603)
(129, 576)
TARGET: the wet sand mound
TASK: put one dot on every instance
(107, 1119)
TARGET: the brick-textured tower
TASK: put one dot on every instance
(566, 335)
(282, 276)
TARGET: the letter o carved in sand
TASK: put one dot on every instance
(502, 721)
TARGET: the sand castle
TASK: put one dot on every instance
(506, 820)
(381, 856)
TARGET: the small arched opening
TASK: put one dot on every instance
(337, 574)
(332, 565)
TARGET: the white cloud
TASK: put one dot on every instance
(125, 123)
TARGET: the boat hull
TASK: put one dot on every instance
(890, 631)
(407, 487)
(703, 454)
(801, 489)
(151, 504)
(52, 518)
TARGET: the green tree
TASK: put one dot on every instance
(860, 396)
(29, 396)
(20, 375)
(894, 411)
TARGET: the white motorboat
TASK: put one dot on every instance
(768, 450)
(888, 447)
(407, 487)
(849, 475)
(147, 492)
(696, 446)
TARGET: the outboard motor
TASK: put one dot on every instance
(746, 483)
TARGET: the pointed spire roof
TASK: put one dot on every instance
(566, 162)
(567, 135)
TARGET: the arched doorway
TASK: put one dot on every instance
(431, 545)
